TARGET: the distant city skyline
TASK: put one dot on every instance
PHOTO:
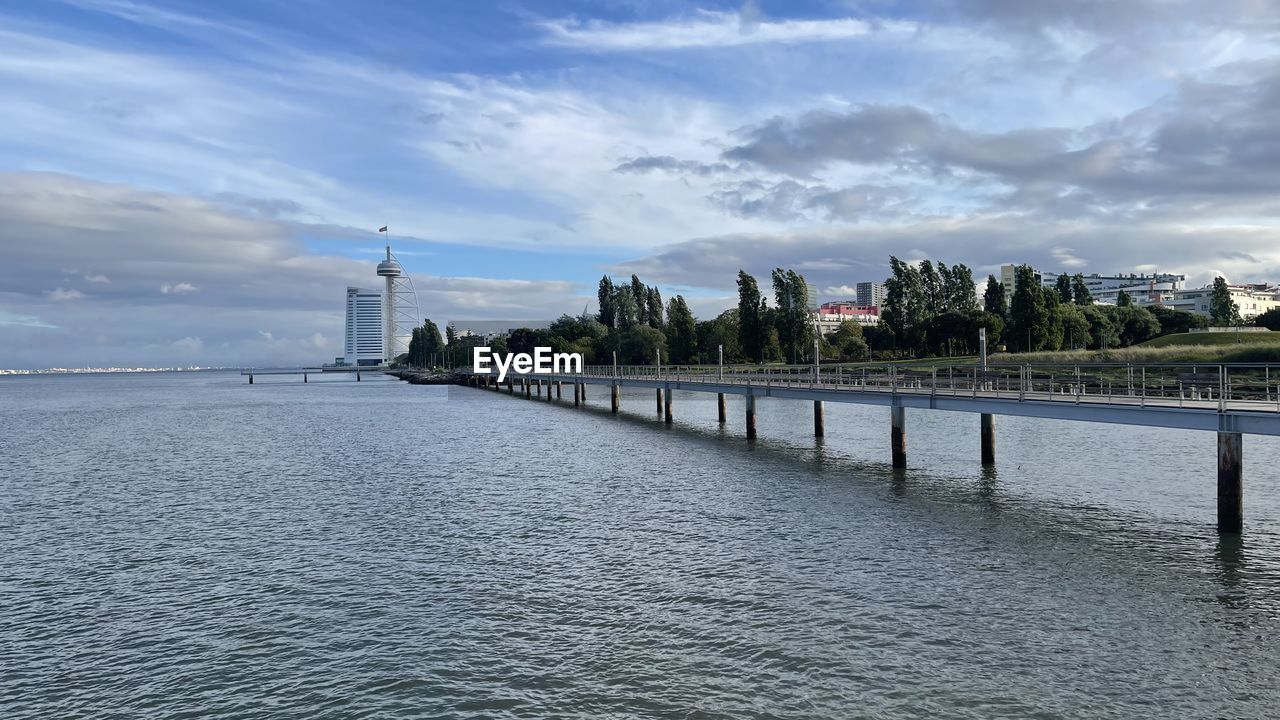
(190, 183)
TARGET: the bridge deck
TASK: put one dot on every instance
(1201, 406)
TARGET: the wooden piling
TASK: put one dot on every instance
(720, 407)
(615, 401)
(988, 439)
(898, 435)
(751, 417)
(1230, 483)
(819, 419)
(666, 404)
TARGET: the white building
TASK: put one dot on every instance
(1252, 300)
(869, 294)
(364, 330)
(1153, 289)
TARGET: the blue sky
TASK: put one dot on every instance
(245, 152)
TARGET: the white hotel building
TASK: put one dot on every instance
(364, 330)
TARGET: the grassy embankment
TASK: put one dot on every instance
(1177, 348)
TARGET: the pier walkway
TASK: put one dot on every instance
(1231, 400)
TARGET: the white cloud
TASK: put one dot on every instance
(708, 29)
(177, 289)
(61, 295)
(97, 278)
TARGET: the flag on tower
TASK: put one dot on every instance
(382, 229)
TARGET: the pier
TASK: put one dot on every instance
(1230, 400)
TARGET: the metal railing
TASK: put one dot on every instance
(1207, 386)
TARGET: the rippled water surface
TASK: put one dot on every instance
(187, 545)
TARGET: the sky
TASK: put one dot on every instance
(197, 183)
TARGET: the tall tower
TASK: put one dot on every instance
(399, 306)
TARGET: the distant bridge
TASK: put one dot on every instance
(1231, 400)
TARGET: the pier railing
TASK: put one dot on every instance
(1236, 386)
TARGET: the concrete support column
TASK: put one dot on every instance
(528, 390)
(819, 419)
(511, 388)
(615, 401)
(559, 389)
(304, 377)
(538, 383)
(666, 404)
(720, 407)
(583, 392)
(898, 435)
(751, 417)
(988, 439)
(659, 390)
(1230, 483)
(250, 379)
(577, 395)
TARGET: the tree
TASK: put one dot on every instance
(1136, 325)
(1030, 325)
(751, 320)
(1076, 330)
(1269, 319)
(1079, 291)
(425, 346)
(847, 342)
(931, 285)
(1064, 288)
(636, 346)
(958, 288)
(606, 296)
(993, 297)
(905, 307)
(640, 294)
(625, 308)
(791, 317)
(682, 333)
(1179, 321)
(653, 311)
(719, 332)
(1123, 299)
(1222, 309)
(1103, 332)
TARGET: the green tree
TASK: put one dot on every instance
(1031, 325)
(791, 317)
(606, 296)
(905, 307)
(1269, 319)
(1076, 330)
(751, 317)
(718, 332)
(653, 312)
(425, 346)
(958, 287)
(636, 346)
(1179, 321)
(640, 293)
(1136, 325)
(1080, 294)
(993, 297)
(1103, 333)
(1063, 286)
(626, 311)
(1123, 299)
(931, 287)
(847, 342)
(1223, 311)
(682, 332)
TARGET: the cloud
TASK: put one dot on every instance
(61, 295)
(251, 274)
(706, 29)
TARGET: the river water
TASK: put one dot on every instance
(187, 545)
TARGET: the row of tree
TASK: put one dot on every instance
(930, 309)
